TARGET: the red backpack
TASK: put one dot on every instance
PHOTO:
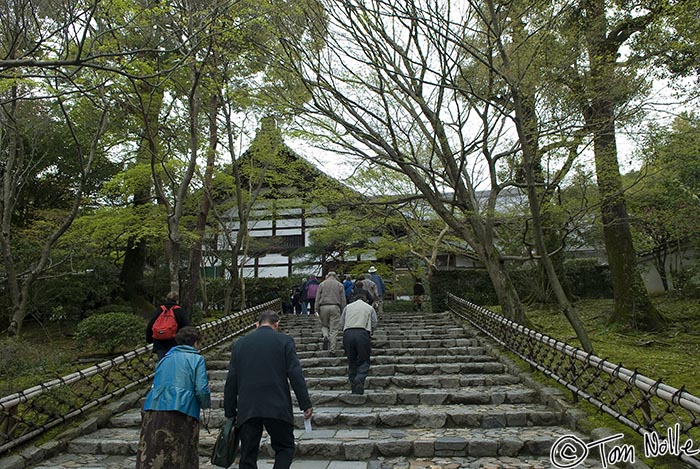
(165, 326)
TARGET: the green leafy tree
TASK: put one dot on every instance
(665, 201)
(406, 77)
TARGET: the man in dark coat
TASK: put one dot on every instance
(161, 347)
(263, 364)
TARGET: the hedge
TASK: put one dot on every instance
(586, 279)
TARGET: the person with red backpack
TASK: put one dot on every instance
(166, 321)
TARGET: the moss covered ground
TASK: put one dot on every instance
(670, 354)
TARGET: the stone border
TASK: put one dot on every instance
(29, 455)
(551, 396)
(99, 418)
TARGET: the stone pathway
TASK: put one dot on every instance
(436, 398)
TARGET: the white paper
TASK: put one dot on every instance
(307, 425)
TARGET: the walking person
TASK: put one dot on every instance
(302, 297)
(369, 286)
(381, 289)
(418, 292)
(311, 291)
(263, 365)
(330, 301)
(349, 286)
(358, 320)
(170, 419)
(163, 345)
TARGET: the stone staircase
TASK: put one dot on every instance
(436, 397)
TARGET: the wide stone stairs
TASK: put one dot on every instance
(435, 398)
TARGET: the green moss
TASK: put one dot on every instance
(662, 354)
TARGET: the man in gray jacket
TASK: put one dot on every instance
(330, 301)
(358, 321)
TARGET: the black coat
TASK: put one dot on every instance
(263, 364)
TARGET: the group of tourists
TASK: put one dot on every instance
(257, 395)
(304, 297)
(263, 365)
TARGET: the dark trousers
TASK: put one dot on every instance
(358, 348)
(281, 437)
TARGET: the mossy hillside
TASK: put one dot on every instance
(669, 354)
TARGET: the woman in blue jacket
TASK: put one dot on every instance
(170, 418)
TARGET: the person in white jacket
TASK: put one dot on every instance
(358, 320)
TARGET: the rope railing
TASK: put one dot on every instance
(28, 414)
(660, 413)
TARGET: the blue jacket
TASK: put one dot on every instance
(380, 283)
(180, 383)
(349, 286)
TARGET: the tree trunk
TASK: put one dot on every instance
(505, 290)
(527, 127)
(131, 275)
(195, 265)
(13, 167)
(176, 208)
(660, 256)
(633, 308)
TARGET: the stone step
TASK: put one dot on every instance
(420, 416)
(403, 381)
(404, 317)
(393, 352)
(383, 334)
(361, 444)
(477, 395)
(395, 370)
(378, 346)
(103, 461)
(413, 382)
(313, 329)
(474, 355)
(509, 394)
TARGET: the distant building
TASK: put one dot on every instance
(282, 219)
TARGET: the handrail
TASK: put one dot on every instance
(30, 413)
(648, 406)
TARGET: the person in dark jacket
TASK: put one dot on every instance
(161, 347)
(381, 289)
(263, 365)
(418, 292)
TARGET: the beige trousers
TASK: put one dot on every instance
(330, 323)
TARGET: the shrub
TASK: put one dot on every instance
(111, 308)
(68, 297)
(686, 282)
(588, 279)
(472, 285)
(22, 364)
(111, 331)
(258, 290)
